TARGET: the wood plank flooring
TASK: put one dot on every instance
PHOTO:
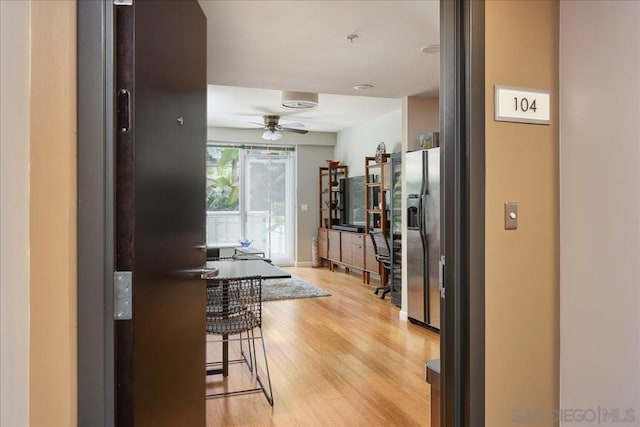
(343, 360)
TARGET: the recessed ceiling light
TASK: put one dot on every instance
(298, 100)
(432, 48)
(364, 86)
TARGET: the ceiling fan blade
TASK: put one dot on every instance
(293, 125)
(256, 123)
(302, 131)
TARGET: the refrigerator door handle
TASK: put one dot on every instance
(422, 225)
(420, 210)
(424, 214)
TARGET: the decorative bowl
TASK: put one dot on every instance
(333, 163)
(245, 243)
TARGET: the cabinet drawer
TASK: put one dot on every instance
(323, 243)
(345, 245)
(322, 233)
(334, 245)
(357, 255)
(357, 239)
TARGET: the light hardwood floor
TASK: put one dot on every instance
(343, 360)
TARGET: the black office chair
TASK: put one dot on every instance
(383, 256)
(234, 308)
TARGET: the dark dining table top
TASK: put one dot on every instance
(233, 269)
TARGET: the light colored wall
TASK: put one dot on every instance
(53, 361)
(14, 212)
(600, 207)
(423, 116)
(309, 158)
(358, 142)
(522, 273)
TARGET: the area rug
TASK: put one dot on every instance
(293, 288)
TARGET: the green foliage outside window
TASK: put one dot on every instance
(222, 179)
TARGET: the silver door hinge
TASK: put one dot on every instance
(441, 276)
(122, 295)
(123, 2)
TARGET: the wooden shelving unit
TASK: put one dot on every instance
(351, 249)
(378, 184)
(331, 203)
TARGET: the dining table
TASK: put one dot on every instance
(246, 266)
(237, 268)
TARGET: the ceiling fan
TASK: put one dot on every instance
(272, 128)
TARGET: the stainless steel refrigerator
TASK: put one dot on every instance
(423, 236)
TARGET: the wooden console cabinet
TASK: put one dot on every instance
(348, 249)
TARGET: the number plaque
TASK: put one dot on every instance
(521, 105)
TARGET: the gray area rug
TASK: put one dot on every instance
(293, 288)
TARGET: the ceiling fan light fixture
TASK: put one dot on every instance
(270, 135)
(298, 100)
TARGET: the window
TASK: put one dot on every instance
(222, 179)
(250, 196)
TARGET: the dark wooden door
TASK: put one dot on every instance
(160, 211)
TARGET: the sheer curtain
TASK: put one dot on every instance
(250, 195)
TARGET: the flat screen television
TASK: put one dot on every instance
(354, 198)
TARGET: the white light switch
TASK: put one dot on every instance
(304, 208)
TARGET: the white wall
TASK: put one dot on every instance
(358, 142)
(422, 116)
(600, 207)
(14, 213)
(308, 159)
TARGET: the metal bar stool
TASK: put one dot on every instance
(234, 308)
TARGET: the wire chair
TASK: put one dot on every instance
(234, 308)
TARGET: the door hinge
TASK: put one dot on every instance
(123, 2)
(122, 295)
(441, 276)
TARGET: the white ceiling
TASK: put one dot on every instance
(301, 46)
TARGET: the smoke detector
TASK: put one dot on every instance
(298, 100)
(363, 86)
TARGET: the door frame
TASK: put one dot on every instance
(462, 131)
(462, 123)
(95, 227)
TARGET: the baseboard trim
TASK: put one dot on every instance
(403, 316)
(304, 264)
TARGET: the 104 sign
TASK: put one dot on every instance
(520, 105)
